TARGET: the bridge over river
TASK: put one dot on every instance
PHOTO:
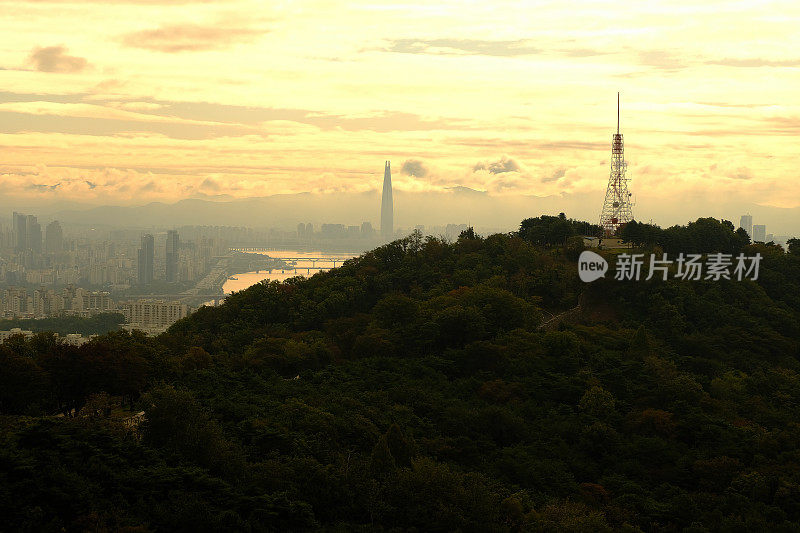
(300, 261)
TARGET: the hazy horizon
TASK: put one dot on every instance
(479, 209)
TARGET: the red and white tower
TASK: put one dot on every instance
(617, 208)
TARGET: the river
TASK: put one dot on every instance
(306, 264)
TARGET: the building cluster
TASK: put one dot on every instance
(306, 233)
(47, 270)
(162, 257)
(76, 339)
(152, 316)
(85, 272)
(18, 302)
(365, 233)
(758, 232)
(114, 260)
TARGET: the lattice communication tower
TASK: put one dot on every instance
(617, 208)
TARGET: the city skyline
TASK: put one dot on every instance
(125, 113)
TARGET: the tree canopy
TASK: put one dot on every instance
(477, 385)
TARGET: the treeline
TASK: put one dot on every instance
(415, 388)
(702, 235)
(42, 375)
(547, 230)
(63, 325)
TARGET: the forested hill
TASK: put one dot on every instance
(416, 389)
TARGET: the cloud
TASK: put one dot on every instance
(498, 167)
(136, 106)
(555, 176)
(584, 52)
(131, 2)
(661, 59)
(191, 37)
(741, 173)
(727, 104)
(55, 59)
(520, 47)
(413, 167)
(95, 119)
(210, 184)
(755, 62)
(213, 114)
(506, 182)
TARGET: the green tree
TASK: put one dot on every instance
(381, 460)
(597, 402)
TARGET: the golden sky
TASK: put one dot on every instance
(133, 101)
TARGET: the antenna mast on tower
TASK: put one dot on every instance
(617, 208)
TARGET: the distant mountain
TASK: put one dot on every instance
(458, 204)
(465, 190)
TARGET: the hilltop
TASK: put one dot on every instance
(424, 386)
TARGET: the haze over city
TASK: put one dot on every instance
(133, 102)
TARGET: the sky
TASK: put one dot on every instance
(126, 102)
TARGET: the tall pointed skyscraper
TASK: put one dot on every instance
(387, 206)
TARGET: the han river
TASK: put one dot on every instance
(307, 264)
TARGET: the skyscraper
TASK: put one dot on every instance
(747, 223)
(171, 259)
(27, 233)
(53, 238)
(146, 258)
(387, 207)
(20, 228)
(759, 233)
(367, 230)
(34, 235)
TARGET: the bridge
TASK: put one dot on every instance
(293, 261)
(327, 263)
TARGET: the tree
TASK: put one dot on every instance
(381, 460)
(400, 447)
(22, 382)
(177, 422)
(597, 402)
(640, 345)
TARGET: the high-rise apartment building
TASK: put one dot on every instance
(152, 316)
(20, 229)
(146, 259)
(171, 258)
(759, 233)
(367, 230)
(53, 238)
(27, 233)
(34, 235)
(747, 223)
